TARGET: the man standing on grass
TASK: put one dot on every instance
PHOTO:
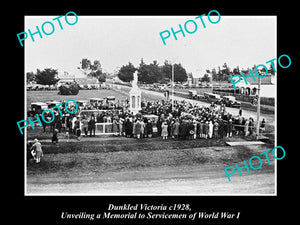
(37, 150)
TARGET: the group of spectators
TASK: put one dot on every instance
(182, 120)
(187, 121)
(105, 105)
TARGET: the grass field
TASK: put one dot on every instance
(43, 96)
(121, 93)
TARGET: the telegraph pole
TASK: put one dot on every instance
(172, 86)
(258, 109)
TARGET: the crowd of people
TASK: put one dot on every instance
(182, 120)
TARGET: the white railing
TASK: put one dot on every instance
(103, 128)
(100, 128)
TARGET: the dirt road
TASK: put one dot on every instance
(162, 172)
(184, 180)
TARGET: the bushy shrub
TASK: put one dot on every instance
(69, 89)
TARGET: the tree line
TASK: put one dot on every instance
(147, 73)
(224, 73)
(49, 76)
(153, 72)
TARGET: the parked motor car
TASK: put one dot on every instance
(96, 100)
(37, 108)
(230, 101)
(211, 97)
(52, 103)
(193, 94)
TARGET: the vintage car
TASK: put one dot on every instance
(230, 101)
(96, 100)
(82, 103)
(210, 97)
(109, 102)
(193, 94)
(37, 108)
(52, 103)
(111, 98)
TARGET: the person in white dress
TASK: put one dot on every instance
(210, 129)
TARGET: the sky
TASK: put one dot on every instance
(116, 40)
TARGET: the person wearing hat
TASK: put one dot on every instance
(54, 136)
(176, 128)
(229, 128)
(92, 125)
(84, 125)
(216, 129)
(38, 151)
(137, 129)
(149, 128)
(262, 125)
(164, 130)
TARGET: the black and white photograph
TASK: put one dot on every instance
(160, 105)
(137, 114)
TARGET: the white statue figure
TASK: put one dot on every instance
(135, 95)
(135, 79)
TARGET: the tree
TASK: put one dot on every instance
(69, 89)
(99, 75)
(226, 70)
(47, 76)
(96, 66)
(92, 70)
(149, 73)
(214, 74)
(85, 64)
(226, 73)
(219, 74)
(102, 77)
(126, 72)
(205, 78)
(180, 74)
(236, 70)
(166, 70)
(222, 74)
(142, 71)
(30, 76)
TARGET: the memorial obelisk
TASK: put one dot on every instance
(135, 96)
